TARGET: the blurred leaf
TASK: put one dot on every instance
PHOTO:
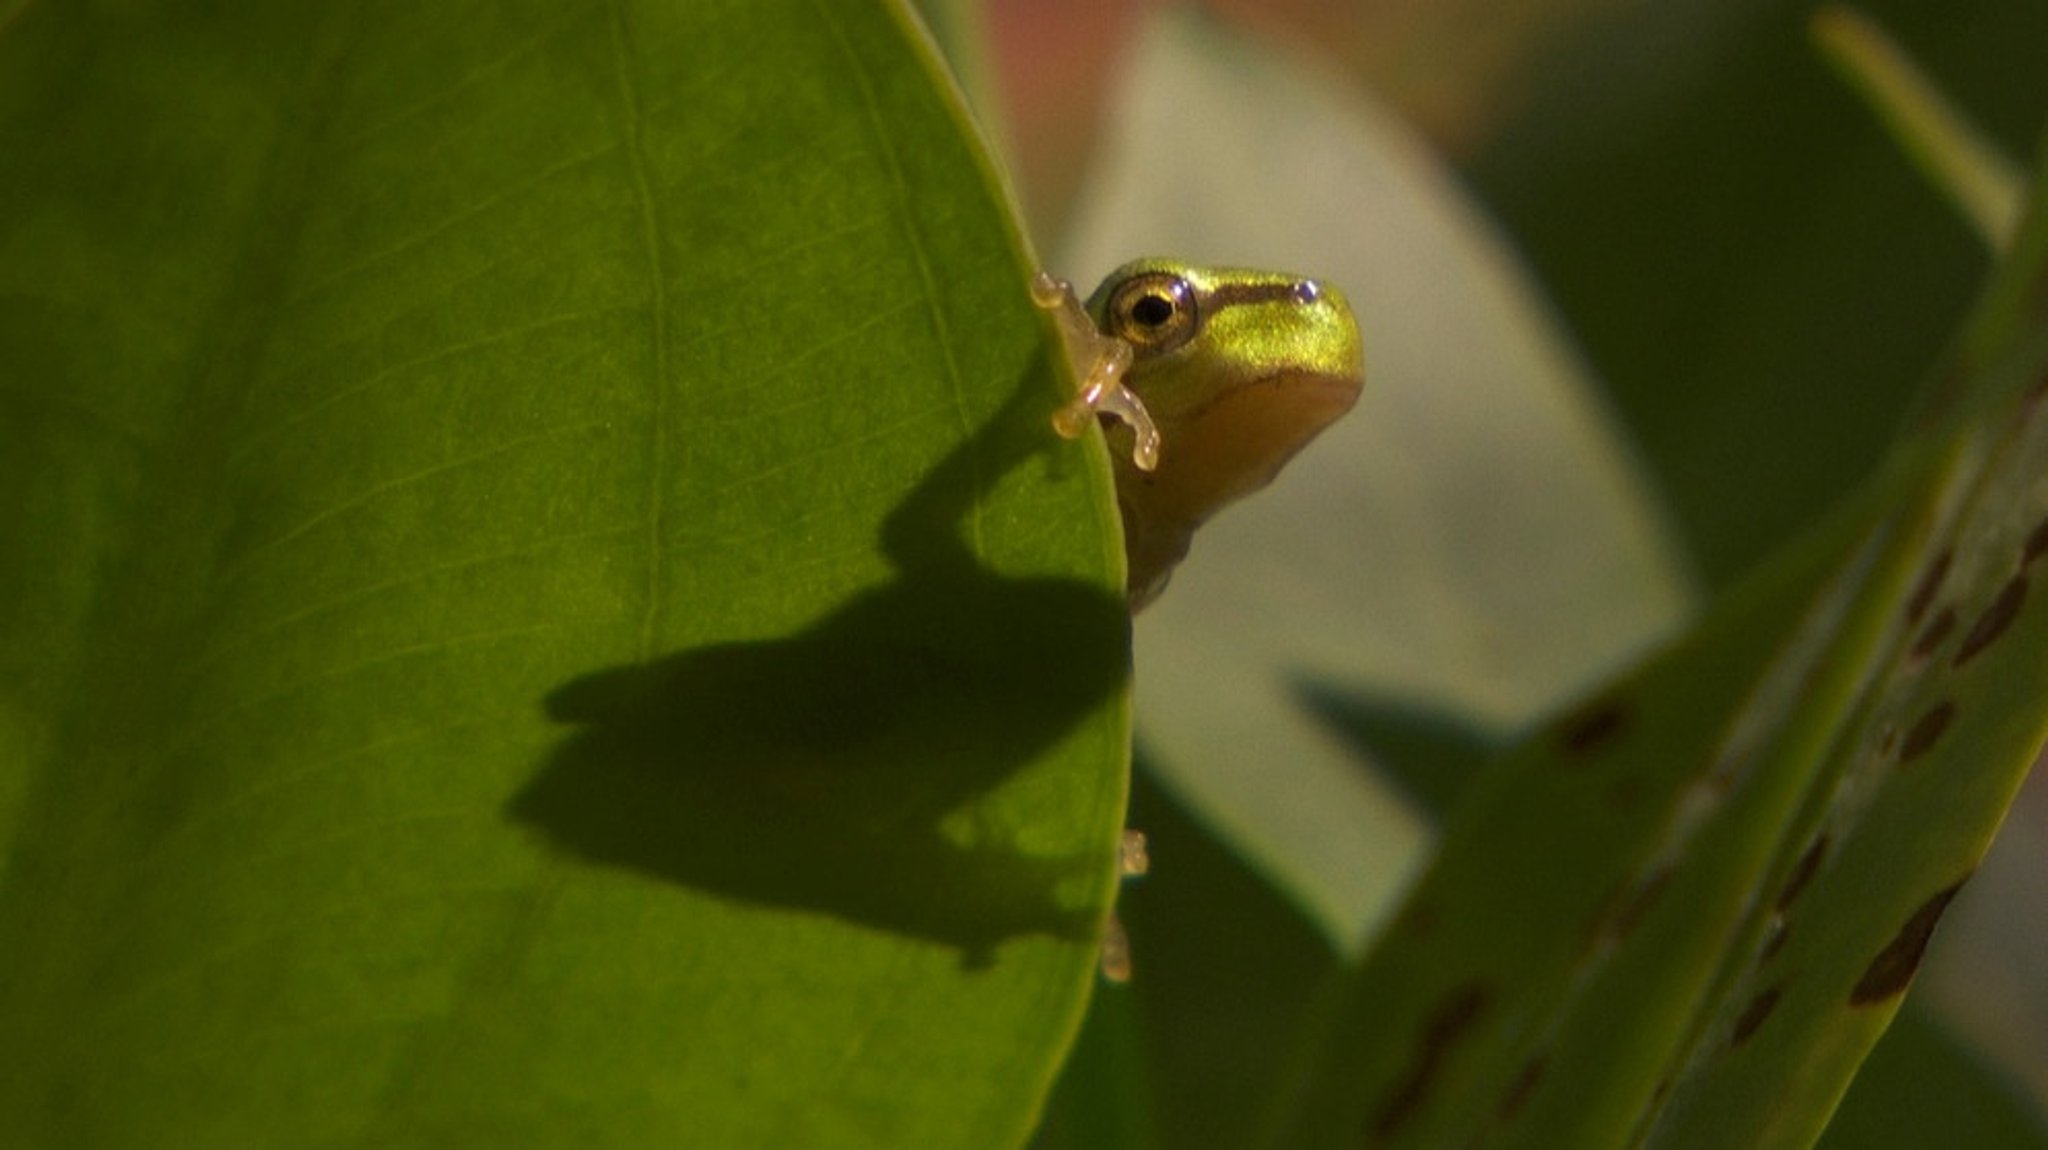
(957, 29)
(1754, 269)
(1984, 976)
(1683, 913)
(537, 602)
(1920, 1087)
(1983, 186)
(1226, 976)
(1451, 67)
(1430, 754)
(1104, 1096)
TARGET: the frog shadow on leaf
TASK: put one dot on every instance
(834, 770)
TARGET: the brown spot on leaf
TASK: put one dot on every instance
(1891, 971)
(1802, 871)
(1995, 619)
(1591, 728)
(1753, 1015)
(1523, 1086)
(1928, 587)
(1931, 635)
(2031, 401)
(2037, 544)
(1926, 731)
(1640, 901)
(1445, 1026)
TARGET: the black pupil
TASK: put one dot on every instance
(1153, 310)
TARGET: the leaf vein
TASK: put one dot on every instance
(383, 374)
(657, 479)
(376, 491)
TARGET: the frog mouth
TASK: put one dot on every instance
(1283, 406)
(1236, 442)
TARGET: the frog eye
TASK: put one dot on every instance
(1154, 312)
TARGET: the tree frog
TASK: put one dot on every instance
(1209, 380)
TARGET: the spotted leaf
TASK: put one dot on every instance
(1683, 912)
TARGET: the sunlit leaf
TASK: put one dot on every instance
(538, 605)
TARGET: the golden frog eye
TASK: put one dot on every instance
(1154, 312)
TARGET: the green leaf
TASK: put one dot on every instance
(1923, 1087)
(1681, 915)
(1747, 257)
(538, 604)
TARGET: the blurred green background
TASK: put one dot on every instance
(1757, 281)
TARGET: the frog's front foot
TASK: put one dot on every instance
(1131, 861)
(1132, 855)
(1099, 363)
